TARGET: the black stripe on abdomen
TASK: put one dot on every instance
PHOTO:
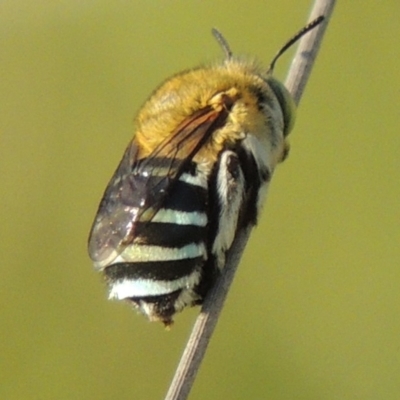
(187, 197)
(155, 270)
(184, 196)
(168, 234)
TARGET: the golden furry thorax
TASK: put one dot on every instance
(247, 87)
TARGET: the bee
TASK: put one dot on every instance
(206, 145)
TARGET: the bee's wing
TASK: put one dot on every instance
(138, 188)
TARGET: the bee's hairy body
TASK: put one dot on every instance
(206, 145)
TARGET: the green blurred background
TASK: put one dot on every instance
(314, 312)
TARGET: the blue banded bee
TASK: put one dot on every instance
(206, 145)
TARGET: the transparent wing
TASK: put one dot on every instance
(139, 187)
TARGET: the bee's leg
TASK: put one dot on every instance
(227, 193)
(230, 188)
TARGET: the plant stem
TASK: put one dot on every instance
(206, 321)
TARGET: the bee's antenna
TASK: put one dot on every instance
(293, 40)
(222, 42)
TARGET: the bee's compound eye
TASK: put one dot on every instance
(286, 102)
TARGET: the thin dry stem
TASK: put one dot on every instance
(307, 50)
(206, 321)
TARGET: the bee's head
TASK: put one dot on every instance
(284, 98)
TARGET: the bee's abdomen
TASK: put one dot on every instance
(167, 253)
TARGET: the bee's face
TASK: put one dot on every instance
(205, 148)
